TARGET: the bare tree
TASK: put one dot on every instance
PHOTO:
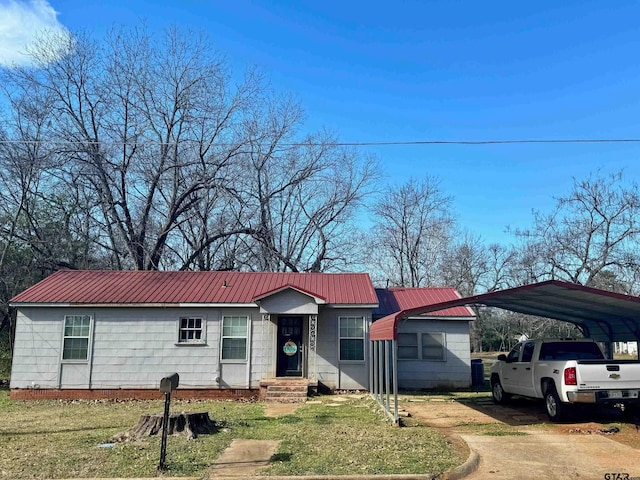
(591, 235)
(412, 229)
(304, 198)
(166, 160)
(145, 127)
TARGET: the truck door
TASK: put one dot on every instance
(510, 369)
(525, 370)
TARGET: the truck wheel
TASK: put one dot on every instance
(556, 410)
(497, 392)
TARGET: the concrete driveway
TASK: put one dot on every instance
(517, 442)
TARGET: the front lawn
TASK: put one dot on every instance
(56, 439)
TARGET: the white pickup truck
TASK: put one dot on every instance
(565, 372)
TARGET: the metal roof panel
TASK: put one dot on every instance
(603, 315)
(146, 287)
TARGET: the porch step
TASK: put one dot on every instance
(286, 391)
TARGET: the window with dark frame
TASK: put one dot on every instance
(433, 346)
(429, 346)
(191, 330)
(407, 346)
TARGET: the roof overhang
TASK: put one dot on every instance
(601, 315)
(318, 299)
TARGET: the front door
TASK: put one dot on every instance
(289, 347)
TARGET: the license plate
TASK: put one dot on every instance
(615, 394)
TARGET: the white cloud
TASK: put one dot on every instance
(21, 23)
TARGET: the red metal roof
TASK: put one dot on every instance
(153, 287)
(602, 315)
(260, 296)
(392, 300)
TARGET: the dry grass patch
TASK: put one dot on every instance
(55, 439)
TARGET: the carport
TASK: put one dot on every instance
(604, 316)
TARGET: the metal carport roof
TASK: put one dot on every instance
(602, 315)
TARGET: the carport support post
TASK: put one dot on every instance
(387, 352)
(381, 373)
(371, 365)
(394, 349)
(374, 372)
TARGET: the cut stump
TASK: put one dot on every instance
(185, 423)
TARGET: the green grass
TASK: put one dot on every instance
(55, 439)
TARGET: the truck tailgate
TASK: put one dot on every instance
(607, 374)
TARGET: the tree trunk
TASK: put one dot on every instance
(189, 424)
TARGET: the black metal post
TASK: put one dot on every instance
(165, 420)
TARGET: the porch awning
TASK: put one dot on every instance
(601, 315)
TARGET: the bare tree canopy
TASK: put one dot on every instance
(591, 237)
(171, 158)
(412, 229)
(145, 151)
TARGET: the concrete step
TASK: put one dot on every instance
(287, 388)
(283, 392)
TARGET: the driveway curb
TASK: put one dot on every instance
(467, 468)
(456, 473)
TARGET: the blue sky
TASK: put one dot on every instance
(426, 70)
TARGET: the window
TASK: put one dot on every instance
(570, 351)
(421, 346)
(191, 330)
(77, 329)
(514, 354)
(433, 346)
(527, 351)
(351, 338)
(234, 337)
(408, 346)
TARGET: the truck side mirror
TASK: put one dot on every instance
(502, 357)
(169, 383)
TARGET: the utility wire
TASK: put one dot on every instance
(337, 144)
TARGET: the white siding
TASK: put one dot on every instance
(136, 347)
(290, 302)
(454, 372)
(263, 344)
(331, 372)
(36, 357)
(132, 348)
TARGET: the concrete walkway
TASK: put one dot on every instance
(540, 453)
(551, 456)
(244, 458)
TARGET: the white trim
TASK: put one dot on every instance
(216, 305)
(352, 305)
(443, 318)
(363, 338)
(247, 340)
(184, 305)
(89, 341)
(203, 329)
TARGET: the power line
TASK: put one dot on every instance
(336, 144)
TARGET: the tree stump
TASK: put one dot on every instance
(185, 423)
